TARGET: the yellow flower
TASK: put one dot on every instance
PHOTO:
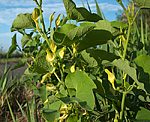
(72, 68)
(62, 52)
(74, 48)
(44, 77)
(111, 78)
(53, 47)
(50, 87)
(50, 56)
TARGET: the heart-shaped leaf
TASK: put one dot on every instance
(83, 85)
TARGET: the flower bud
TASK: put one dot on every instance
(35, 14)
(57, 22)
(51, 18)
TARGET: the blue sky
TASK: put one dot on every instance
(10, 8)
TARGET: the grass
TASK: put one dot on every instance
(10, 60)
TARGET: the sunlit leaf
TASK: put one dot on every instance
(68, 34)
(124, 66)
(23, 21)
(84, 86)
(144, 62)
(143, 115)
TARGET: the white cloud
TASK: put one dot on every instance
(108, 7)
(16, 3)
(7, 15)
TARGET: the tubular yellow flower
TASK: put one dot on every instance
(62, 52)
(74, 48)
(50, 56)
(111, 78)
(72, 68)
(53, 47)
(44, 77)
(50, 87)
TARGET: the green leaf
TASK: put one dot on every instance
(84, 86)
(72, 118)
(94, 38)
(13, 45)
(143, 114)
(50, 115)
(118, 24)
(104, 25)
(61, 39)
(65, 29)
(55, 105)
(143, 3)
(60, 35)
(25, 39)
(79, 32)
(43, 93)
(51, 110)
(23, 21)
(124, 66)
(101, 55)
(90, 60)
(143, 61)
(87, 24)
(40, 65)
(144, 78)
(69, 34)
(79, 14)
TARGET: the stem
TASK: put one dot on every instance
(57, 77)
(43, 31)
(124, 55)
(122, 105)
(126, 43)
(42, 21)
(131, 87)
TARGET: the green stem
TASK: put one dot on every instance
(131, 87)
(57, 77)
(43, 32)
(124, 55)
(122, 105)
(42, 20)
(126, 43)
